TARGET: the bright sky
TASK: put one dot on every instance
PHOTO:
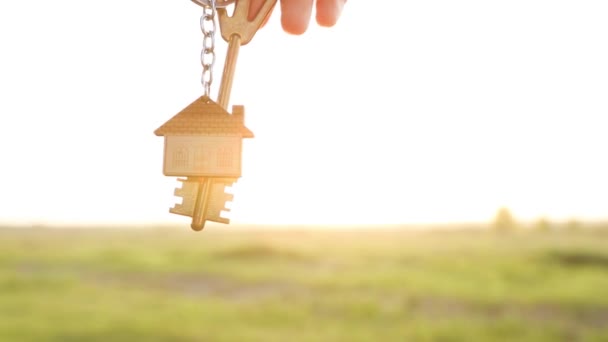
(407, 111)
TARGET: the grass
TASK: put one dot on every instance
(302, 285)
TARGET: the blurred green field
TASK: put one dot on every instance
(227, 284)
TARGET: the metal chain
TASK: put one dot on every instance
(208, 52)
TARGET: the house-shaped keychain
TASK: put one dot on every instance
(204, 143)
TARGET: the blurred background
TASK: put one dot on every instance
(306, 284)
(428, 171)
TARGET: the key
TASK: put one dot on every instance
(237, 30)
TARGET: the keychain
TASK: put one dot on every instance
(203, 142)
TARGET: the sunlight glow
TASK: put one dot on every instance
(426, 113)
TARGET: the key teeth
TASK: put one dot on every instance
(220, 220)
(228, 198)
(217, 200)
(179, 209)
(187, 192)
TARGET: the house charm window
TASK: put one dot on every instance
(180, 158)
(224, 157)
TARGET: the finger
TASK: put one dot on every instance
(295, 15)
(328, 11)
(254, 7)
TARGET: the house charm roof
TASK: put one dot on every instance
(205, 117)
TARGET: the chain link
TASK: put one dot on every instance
(208, 28)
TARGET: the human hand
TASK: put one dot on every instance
(296, 14)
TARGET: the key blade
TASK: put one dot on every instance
(201, 204)
(187, 192)
(223, 97)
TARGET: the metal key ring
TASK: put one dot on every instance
(218, 3)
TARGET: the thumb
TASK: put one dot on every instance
(254, 8)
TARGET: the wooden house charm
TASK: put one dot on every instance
(204, 140)
(204, 143)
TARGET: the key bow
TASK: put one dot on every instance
(239, 23)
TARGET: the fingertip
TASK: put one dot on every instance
(295, 15)
(325, 20)
(294, 27)
(328, 12)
